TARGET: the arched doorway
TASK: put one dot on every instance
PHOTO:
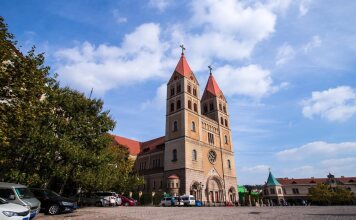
(232, 194)
(214, 189)
(196, 190)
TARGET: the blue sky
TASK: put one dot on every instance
(287, 68)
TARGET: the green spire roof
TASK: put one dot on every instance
(271, 181)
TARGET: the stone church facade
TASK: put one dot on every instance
(196, 154)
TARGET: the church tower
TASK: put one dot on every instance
(182, 121)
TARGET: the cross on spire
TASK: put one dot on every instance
(210, 68)
(183, 49)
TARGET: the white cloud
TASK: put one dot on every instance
(118, 18)
(251, 80)
(339, 162)
(304, 7)
(317, 149)
(159, 101)
(314, 43)
(226, 30)
(335, 104)
(284, 54)
(256, 169)
(161, 5)
(103, 67)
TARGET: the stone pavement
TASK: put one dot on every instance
(209, 213)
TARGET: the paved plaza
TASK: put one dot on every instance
(206, 213)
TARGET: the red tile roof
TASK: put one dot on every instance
(133, 146)
(136, 147)
(183, 67)
(287, 181)
(212, 87)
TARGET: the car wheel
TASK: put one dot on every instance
(53, 209)
(126, 204)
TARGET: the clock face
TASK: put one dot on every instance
(212, 156)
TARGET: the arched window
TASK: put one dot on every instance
(175, 126)
(211, 106)
(229, 164)
(193, 126)
(189, 104)
(226, 140)
(178, 88)
(224, 108)
(172, 91)
(194, 91)
(222, 120)
(178, 104)
(226, 123)
(174, 155)
(172, 107)
(195, 107)
(194, 155)
(220, 107)
(189, 89)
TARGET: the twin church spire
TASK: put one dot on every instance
(183, 69)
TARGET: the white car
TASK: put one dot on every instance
(13, 211)
(188, 200)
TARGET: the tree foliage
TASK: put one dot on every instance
(323, 194)
(52, 136)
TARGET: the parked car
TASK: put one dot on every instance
(13, 211)
(168, 201)
(90, 199)
(21, 195)
(188, 200)
(178, 201)
(52, 203)
(112, 197)
(128, 201)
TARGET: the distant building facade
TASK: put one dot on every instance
(196, 154)
(279, 191)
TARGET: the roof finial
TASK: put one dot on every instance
(210, 68)
(269, 169)
(183, 49)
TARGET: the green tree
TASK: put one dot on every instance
(323, 194)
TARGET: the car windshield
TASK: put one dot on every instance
(24, 193)
(51, 194)
(2, 201)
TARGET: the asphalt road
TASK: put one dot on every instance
(207, 213)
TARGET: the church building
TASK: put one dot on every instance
(196, 154)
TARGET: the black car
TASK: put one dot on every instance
(52, 203)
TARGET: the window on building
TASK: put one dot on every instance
(174, 155)
(193, 126)
(195, 107)
(172, 107)
(205, 108)
(178, 104)
(211, 106)
(226, 140)
(175, 126)
(189, 89)
(220, 107)
(229, 164)
(179, 88)
(222, 120)
(266, 192)
(189, 104)
(279, 191)
(224, 108)
(295, 191)
(226, 123)
(172, 91)
(210, 138)
(194, 91)
(273, 191)
(177, 185)
(194, 155)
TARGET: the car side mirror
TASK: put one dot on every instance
(11, 197)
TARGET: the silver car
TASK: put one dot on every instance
(21, 195)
